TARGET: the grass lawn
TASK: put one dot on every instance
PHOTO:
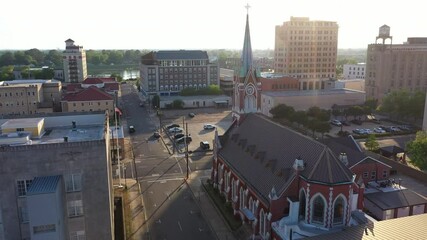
(224, 207)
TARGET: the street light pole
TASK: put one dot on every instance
(186, 146)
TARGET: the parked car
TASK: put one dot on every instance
(141, 104)
(131, 129)
(175, 130)
(345, 123)
(179, 135)
(204, 145)
(336, 123)
(356, 121)
(379, 130)
(173, 125)
(186, 139)
(386, 128)
(156, 134)
(395, 129)
(208, 126)
(191, 115)
(405, 127)
(368, 131)
(359, 131)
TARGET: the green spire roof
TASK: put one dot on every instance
(246, 60)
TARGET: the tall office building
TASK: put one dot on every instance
(75, 69)
(306, 49)
(169, 72)
(391, 66)
(56, 178)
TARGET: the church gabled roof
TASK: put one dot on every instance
(262, 153)
(246, 60)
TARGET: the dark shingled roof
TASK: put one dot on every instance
(345, 145)
(41, 185)
(395, 199)
(263, 153)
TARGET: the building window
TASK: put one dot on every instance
(373, 175)
(20, 129)
(75, 208)
(365, 174)
(384, 173)
(318, 210)
(23, 186)
(262, 221)
(339, 211)
(233, 189)
(73, 182)
(79, 235)
(242, 198)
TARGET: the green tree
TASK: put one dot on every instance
(355, 111)
(300, 117)
(7, 59)
(372, 143)
(155, 101)
(118, 77)
(417, 150)
(6, 73)
(36, 55)
(178, 104)
(45, 73)
(22, 59)
(401, 104)
(54, 59)
(323, 127)
(282, 111)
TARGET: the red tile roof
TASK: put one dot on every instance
(98, 80)
(73, 87)
(90, 94)
(111, 86)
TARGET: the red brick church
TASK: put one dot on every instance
(284, 184)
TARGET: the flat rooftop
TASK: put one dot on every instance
(21, 123)
(80, 134)
(311, 92)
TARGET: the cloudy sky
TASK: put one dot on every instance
(196, 24)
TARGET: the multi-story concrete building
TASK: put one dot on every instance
(226, 83)
(75, 69)
(57, 184)
(354, 71)
(26, 97)
(391, 67)
(306, 49)
(169, 72)
(425, 116)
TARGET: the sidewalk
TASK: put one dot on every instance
(212, 215)
(214, 218)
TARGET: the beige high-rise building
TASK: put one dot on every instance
(75, 69)
(392, 67)
(306, 50)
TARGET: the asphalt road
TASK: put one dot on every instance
(169, 205)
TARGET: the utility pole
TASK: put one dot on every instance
(186, 146)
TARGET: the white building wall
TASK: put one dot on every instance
(418, 209)
(354, 71)
(403, 212)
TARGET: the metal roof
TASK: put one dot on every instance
(41, 185)
(412, 227)
(396, 199)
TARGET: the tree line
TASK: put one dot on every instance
(53, 58)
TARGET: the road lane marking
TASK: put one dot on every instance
(179, 224)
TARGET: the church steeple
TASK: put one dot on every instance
(246, 59)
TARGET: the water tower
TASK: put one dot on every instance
(384, 33)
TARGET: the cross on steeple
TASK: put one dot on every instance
(247, 8)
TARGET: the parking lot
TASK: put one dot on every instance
(220, 118)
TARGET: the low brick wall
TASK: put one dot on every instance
(401, 168)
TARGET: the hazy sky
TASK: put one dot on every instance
(196, 24)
